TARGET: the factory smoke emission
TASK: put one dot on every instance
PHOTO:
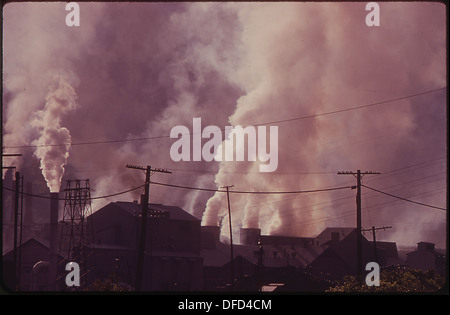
(53, 144)
(111, 90)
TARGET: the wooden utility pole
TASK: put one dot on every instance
(16, 225)
(373, 230)
(142, 236)
(358, 174)
(16, 214)
(260, 266)
(231, 236)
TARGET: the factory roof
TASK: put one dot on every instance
(171, 212)
(273, 256)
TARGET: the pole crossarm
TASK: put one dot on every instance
(355, 173)
(377, 228)
(152, 169)
(374, 232)
(136, 167)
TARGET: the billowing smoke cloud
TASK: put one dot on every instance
(38, 82)
(140, 69)
(316, 59)
(52, 147)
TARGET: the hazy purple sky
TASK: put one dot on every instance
(136, 70)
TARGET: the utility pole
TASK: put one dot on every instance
(231, 236)
(19, 277)
(16, 215)
(16, 225)
(358, 174)
(260, 266)
(373, 230)
(140, 260)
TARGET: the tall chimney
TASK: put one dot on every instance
(28, 215)
(250, 236)
(54, 209)
(210, 236)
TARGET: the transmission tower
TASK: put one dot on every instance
(76, 233)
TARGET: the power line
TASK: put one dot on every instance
(117, 194)
(307, 209)
(187, 187)
(92, 198)
(353, 108)
(427, 163)
(253, 192)
(214, 172)
(412, 201)
(235, 191)
(290, 192)
(418, 182)
(394, 202)
(201, 189)
(260, 124)
(253, 173)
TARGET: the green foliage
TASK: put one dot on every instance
(394, 280)
(110, 285)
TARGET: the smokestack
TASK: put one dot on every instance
(210, 236)
(54, 209)
(28, 216)
(250, 236)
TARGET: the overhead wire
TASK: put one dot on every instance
(331, 203)
(288, 224)
(213, 172)
(395, 201)
(92, 198)
(420, 164)
(259, 124)
(352, 108)
(245, 192)
(404, 199)
(304, 209)
(201, 189)
(253, 192)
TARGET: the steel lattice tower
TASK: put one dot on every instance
(76, 233)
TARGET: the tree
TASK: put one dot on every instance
(395, 280)
(110, 285)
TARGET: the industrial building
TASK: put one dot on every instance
(181, 255)
(172, 249)
(426, 257)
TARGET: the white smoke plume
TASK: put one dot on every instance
(314, 59)
(52, 147)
